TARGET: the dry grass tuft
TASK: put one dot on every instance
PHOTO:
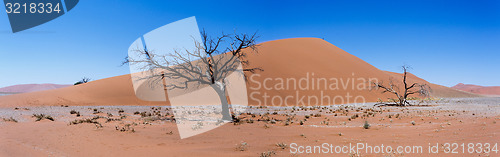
(243, 146)
(40, 117)
(10, 120)
(282, 145)
(268, 153)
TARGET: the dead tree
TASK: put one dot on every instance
(212, 61)
(83, 80)
(402, 96)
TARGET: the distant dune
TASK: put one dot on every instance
(483, 90)
(298, 58)
(26, 88)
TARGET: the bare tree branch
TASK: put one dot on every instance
(402, 96)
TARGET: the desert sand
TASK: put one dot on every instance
(105, 118)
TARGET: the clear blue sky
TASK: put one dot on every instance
(446, 42)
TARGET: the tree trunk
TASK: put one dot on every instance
(224, 103)
(405, 94)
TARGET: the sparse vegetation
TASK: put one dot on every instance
(282, 145)
(268, 153)
(40, 117)
(272, 121)
(303, 135)
(83, 81)
(242, 146)
(86, 120)
(366, 125)
(250, 121)
(402, 96)
(125, 128)
(145, 114)
(211, 70)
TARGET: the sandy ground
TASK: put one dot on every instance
(259, 132)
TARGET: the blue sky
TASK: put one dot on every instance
(446, 42)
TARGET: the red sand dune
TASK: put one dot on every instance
(484, 90)
(288, 58)
(25, 88)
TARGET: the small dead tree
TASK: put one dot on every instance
(402, 96)
(83, 80)
(213, 60)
